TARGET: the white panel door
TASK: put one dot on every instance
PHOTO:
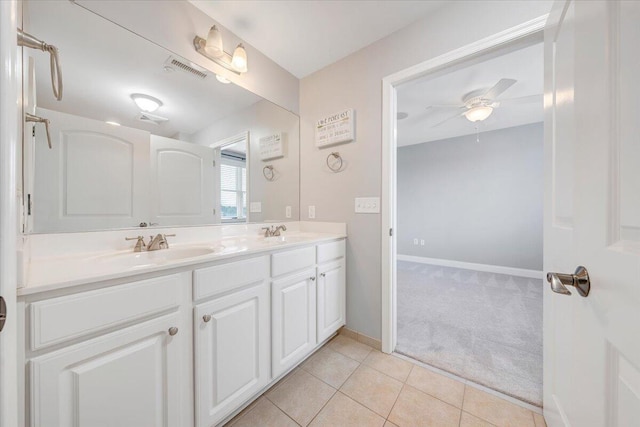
(231, 351)
(331, 298)
(127, 378)
(592, 213)
(293, 320)
(93, 176)
(182, 182)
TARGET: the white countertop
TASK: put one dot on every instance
(47, 273)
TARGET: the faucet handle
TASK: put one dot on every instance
(139, 243)
(164, 238)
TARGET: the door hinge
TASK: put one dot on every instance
(3, 313)
(214, 212)
(33, 131)
(390, 232)
(28, 204)
(214, 163)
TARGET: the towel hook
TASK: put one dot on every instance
(268, 172)
(338, 162)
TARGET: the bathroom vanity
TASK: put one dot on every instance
(177, 337)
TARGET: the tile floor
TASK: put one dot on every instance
(347, 383)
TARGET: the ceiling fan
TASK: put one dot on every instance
(479, 104)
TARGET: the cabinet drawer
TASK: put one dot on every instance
(221, 278)
(331, 251)
(60, 319)
(289, 261)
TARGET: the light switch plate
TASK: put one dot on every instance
(312, 212)
(368, 205)
(255, 207)
(287, 211)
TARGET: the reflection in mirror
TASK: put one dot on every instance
(190, 151)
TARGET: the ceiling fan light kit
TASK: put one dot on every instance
(478, 113)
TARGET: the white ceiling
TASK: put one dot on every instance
(103, 64)
(448, 88)
(304, 36)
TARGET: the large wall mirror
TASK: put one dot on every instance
(116, 163)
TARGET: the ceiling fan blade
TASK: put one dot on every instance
(448, 118)
(499, 87)
(532, 99)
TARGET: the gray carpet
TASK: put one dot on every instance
(483, 327)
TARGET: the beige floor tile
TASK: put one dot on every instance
(389, 364)
(264, 414)
(373, 389)
(301, 397)
(389, 424)
(444, 388)
(331, 367)
(415, 408)
(350, 348)
(495, 410)
(539, 421)
(342, 411)
(469, 420)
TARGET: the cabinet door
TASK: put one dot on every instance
(127, 378)
(231, 351)
(293, 308)
(331, 298)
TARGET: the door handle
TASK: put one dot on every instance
(579, 280)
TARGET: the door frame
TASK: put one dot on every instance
(239, 137)
(10, 120)
(512, 38)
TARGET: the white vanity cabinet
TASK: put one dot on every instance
(187, 348)
(293, 308)
(231, 338)
(85, 369)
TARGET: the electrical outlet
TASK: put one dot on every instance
(415, 241)
(312, 212)
(422, 242)
(287, 211)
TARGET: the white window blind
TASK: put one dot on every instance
(233, 189)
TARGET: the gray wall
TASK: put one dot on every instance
(356, 82)
(474, 202)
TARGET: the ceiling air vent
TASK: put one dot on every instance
(152, 118)
(173, 63)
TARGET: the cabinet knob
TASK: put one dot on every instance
(173, 330)
(313, 279)
(206, 318)
(322, 274)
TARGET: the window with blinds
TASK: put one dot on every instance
(233, 189)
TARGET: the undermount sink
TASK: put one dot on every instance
(148, 258)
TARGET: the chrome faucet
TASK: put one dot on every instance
(269, 232)
(159, 242)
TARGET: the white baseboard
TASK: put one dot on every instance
(520, 272)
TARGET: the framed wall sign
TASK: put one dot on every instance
(271, 147)
(335, 128)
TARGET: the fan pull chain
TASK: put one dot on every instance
(477, 133)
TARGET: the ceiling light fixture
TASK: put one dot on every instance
(478, 113)
(222, 79)
(212, 48)
(146, 103)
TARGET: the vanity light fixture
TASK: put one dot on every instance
(146, 103)
(212, 48)
(222, 79)
(478, 113)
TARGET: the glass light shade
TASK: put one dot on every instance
(214, 43)
(239, 60)
(146, 103)
(222, 79)
(478, 114)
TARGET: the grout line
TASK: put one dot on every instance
(480, 387)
